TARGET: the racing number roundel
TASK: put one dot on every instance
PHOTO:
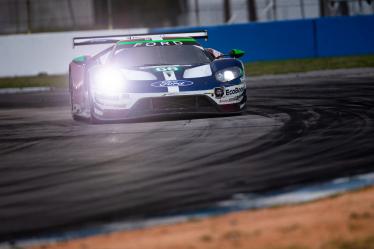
(164, 69)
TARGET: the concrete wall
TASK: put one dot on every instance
(46, 52)
(15, 17)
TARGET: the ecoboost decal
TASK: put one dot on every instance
(236, 90)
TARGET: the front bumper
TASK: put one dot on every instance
(198, 104)
(134, 105)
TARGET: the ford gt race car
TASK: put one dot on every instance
(154, 74)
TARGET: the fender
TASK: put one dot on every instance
(223, 63)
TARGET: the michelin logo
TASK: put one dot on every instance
(236, 90)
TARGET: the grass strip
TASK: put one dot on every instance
(306, 65)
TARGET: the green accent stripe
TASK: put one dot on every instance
(173, 40)
(79, 58)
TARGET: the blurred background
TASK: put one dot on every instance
(30, 16)
(302, 29)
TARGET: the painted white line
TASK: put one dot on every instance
(24, 90)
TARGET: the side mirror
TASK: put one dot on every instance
(214, 53)
(84, 59)
(236, 53)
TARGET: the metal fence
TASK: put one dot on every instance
(28, 16)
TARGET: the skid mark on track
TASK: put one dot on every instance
(71, 175)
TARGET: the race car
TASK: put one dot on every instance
(154, 74)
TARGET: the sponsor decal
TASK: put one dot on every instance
(236, 90)
(219, 92)
(164, 69)
(157, 43)
(230, 100)
(169, 83)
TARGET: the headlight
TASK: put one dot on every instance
(228, 74)
(108, 80)
(197, 72)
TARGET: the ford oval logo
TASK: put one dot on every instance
(167, 83)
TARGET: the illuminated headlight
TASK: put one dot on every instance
(108, 80)
(228, 74)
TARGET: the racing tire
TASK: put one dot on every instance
(74, 116)
(92, 119)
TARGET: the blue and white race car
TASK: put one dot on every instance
(155, 74)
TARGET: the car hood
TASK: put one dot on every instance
(161, 77)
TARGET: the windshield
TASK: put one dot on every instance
(158, 55)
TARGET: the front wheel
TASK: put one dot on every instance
(91, 119)
(73, 115)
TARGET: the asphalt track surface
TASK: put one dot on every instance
(57, 174)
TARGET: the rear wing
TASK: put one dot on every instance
(111, 39)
